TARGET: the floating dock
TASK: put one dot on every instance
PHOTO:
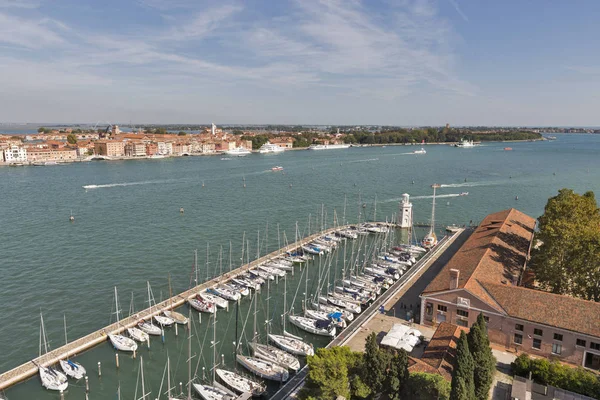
(84, 343)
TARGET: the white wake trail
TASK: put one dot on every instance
(110, 185)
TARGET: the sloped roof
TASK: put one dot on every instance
(439, 355)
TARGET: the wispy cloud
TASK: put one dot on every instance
(29, 33)
(19, 4)
(459, 10)
(202, 23)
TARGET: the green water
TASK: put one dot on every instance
(129, 230)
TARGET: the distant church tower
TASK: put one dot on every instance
(213, 130)
(405, 217)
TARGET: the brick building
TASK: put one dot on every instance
(485, 276)
(109, 148)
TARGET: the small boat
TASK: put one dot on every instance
(334, 317)
(122, 343)
(277, 168)
(241, 384)
(452, 228)
(164, 321)
(53, 379)
(156, 156)
(507, 148)
(318, 327)
(262, 274)
(275, 355)
(241, 289)
(272, 271)
(347, 315)
(225, 293)
(292, 344)
(279, 265)
(149, 328)
(263, 369)
(138, 334)
(225, 158)
(346, 305)
(347, 233)
(464, 194)
(246, 282)
(72, 369)
(213, 392)
(211, 298)
(465, 144)
(177, 317)
(312, 250)
(238, 152)
(202, 305)
(422, 151)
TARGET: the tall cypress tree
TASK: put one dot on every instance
(397, 375)
(485, 363)
(463, 387)
(375, 364)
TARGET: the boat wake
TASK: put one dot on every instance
(440, 196)
(110, 185)
(366, 160)
(469, 184)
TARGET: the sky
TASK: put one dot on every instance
(346, 62)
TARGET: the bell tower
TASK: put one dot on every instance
(405, 216)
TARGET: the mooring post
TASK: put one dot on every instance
(99, 369)
(117, 359)
(176, 332)
(87, 384)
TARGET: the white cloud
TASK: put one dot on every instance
(28, 33)
(459, 10)
(19, 4)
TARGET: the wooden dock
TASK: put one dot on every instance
(84, 343)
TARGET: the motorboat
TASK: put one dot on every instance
(465, 143)
(53, 379)
(164, 321)
(277, 168)
(122, 343)
(263, 369)
(246, 282)
(410, 248)
(238, 152)
(292, 344)
(138, 334)
(279, 265)
(149, 328)
(316, 326)
(252, 278)
(241, 384)
(422, 151)
(211, 298)
(72, 369)
(176, 316)
(202, 305)
(464, 194)
(328, 146)
(225, 293)
(270, 148)
(275, 355)
(334, 317)
(210, 392)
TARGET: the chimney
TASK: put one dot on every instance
(454, 274)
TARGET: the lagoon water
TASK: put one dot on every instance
(128, 230)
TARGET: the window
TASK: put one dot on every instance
(486, 319)
(580, 342)
(558, 336)
(556, 348)
(442, 308)
(595, 346)
(518, 339)
(462, 313)
(538, 332)
(537, 344)
(461, 322)
(429, 308)
(519, 327)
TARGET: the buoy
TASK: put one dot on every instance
(516, 197)
(290, 185)
(181, 210)
(202, 183)
(364, 205)
(71, 218)
(554, 173)
(413, 182)
(465, 179)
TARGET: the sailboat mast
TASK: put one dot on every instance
(268, 304)
(116, 305)
(284, 300)
(142, 369)
(214, 348)
(344, 216)
(230, 265)
(207, 262)
(189, 383)
(196, 265)
(254, 333)
(168, 377)
(375, 210)
(434, 186)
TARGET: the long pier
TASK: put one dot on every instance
(297, 382)
(28, 369)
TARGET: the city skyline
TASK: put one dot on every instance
(299, 62)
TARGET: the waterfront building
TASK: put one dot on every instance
(485, 276)
(15, 154)
(165, 148)
(135, 149)
(285, 142)
(207, 147)
(109, 148)
(45, 155)
(151, 149)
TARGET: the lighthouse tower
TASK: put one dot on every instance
(405, 216)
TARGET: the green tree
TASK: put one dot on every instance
(397, 375)
(160, 131)
(463, 387)
(568, 260)
(376, 363)
(181, 133)
(71, 138)
(485, 362)
(423, 386)
(237, 132)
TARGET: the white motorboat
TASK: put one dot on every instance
(72, 369)
(149, 328)
(292, 344)
(177, 317)
(209, 392)
(53, 379)
(253, 278)
(422, 151)
(241, 384)
(318, 327)
(335, 318)
(328, 146)
(211, 298)
(270, 148)
(275, 355)
(410, 248)
(262, 274)
(122, 343)
(463, 193)
(272, 271)
(138, 334)
(225, 293)
(377, 229)
(238, 152)
(464, 143)
(264, 369)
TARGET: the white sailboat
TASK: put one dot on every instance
(240, 384)
(160, 319)
(272, 271)
(136, 333)
(121, 342)
(71, 368)
(430, 240)
(318, 327)
(174, 315)
(225, 293)
(263, 369)
(199, 304)
(211, 298)
(51, 378)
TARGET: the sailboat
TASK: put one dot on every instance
(50, 377)
(174, 315)
(71, 368)
(199, 304)
(160, 319)
(141, 371)
(147, 326)
(211, 298)
(121, 342)
(136, 333)
(430, 240)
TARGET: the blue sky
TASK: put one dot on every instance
(403, 62)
